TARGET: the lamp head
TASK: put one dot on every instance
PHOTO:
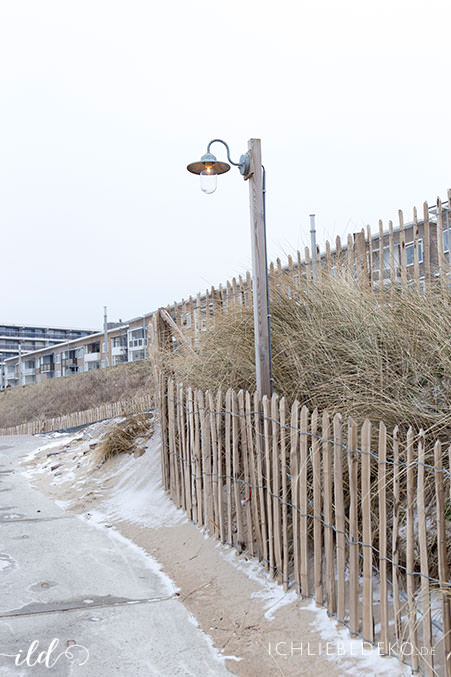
(208, 168)
(208, 162)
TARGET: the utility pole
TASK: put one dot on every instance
(259, 272)
(313, 244)
(105, 336)
(20, 366)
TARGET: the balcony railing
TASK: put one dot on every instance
(136, 343)
(47, 367)
(92, 357)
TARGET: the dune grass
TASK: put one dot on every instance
(123, 437)
(339, 347)
(60, 396)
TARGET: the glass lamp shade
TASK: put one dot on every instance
(208, 181)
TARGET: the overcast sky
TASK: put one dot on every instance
(103, 103)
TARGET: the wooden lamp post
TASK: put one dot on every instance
(250, 166)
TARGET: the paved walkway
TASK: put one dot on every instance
(64, 580)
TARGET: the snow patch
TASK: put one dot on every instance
(139, 497)
(273, 595)
(355, 656)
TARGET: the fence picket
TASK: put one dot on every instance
(353, 537)
(302, 501)
(220, 465)
(214, 461)
(410, 551)
(283, 470)
(275, 485)
(339, 517)
(245, 464)
(367, 592)
(382, 498)
(317, 519)
(442, 557)
(253, 490)
(328, 521)
(259, 452)
(426, 640)
(236, 473)
(395, 536)
(228, 459)
(294, 482)
(267, 475)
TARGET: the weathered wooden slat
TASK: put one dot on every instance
(240, 540)
(253, 488)
(245, 465)
(382, 499)
(395, 537)
(267, 477)
(328, 519)
(294, 483)
(410, 551)
(339, 518)
(367, 541)
(228, 463)
(275, 485)
(442, 557)
(353, 469)
(426, 653)
(259, 453)
(283, 471)
(317, 505)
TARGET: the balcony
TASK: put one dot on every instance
(135, 343)
(48, 367)
(92, 357)
(69, 362)
(118, 350)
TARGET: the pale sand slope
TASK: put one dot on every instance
(247, 616)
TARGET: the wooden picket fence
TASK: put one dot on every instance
(134, 405)
(355, 520)
(413, 254)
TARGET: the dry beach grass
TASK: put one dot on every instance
(336, 346)
(60, 396)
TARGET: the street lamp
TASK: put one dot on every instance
(250, 166)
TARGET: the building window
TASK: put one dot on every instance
(57, 358)
(410, 253)
(446, 240)
(386, 258)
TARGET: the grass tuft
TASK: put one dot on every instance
(123, 437)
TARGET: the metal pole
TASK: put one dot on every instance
(313, 244)
(105, 336)
(20, 367)
(259, 273)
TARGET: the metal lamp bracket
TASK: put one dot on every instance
(246, 166)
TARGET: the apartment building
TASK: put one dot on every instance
(18, 340)
(419, 241)
(126, 342)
